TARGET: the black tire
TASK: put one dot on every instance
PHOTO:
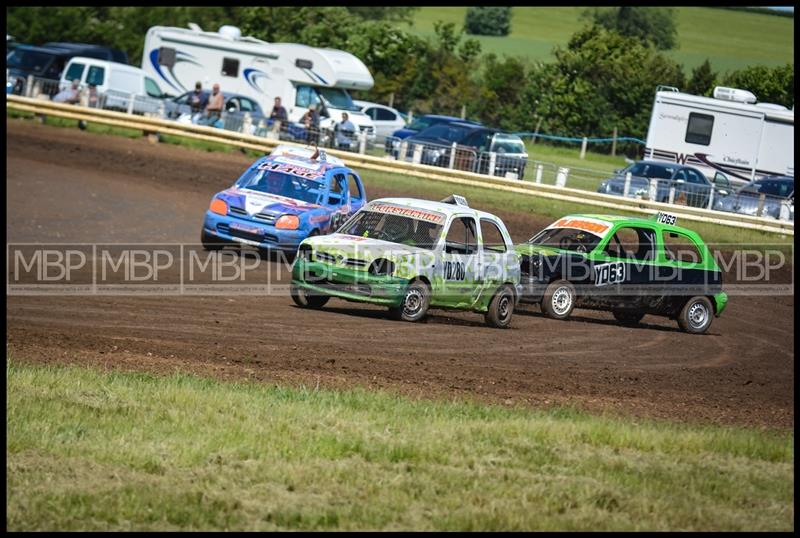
(559, 299)
(210, 242)
(696, 315)
(415, 305)
(501, 308)
(303, 300)
(628, 317)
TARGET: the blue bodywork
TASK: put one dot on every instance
(321, 195)
(426, 121)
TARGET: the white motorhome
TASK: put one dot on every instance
(300, 75)
(730, 133)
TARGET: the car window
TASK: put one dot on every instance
(450, 133)
(492, 237)
(96, 75)
(370, 112)
(245, 105)
(681, 174)
(75, 71)
(507, 144)
(381, 114)
(680, 248)
(776, 188)
(55, 69)
(353, 187)
(632, 242)
(479, 140)
(183, 99)
(460, 238)
(151, 88)
(338, 186)
(695, 178)
(651, 171)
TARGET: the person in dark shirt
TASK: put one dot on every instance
(198, 100)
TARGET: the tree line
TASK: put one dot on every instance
(603, 78)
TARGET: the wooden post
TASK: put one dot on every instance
(391, 100)
(583, 148)
(614, 143)
(536, 131)
(463, 112)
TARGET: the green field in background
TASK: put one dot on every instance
(729, 39)
(127, 451)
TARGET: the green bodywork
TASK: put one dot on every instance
(599, 256)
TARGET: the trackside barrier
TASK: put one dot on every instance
(384, 164)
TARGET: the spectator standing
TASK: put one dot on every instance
(214, 107)
(198, 100)
(278, 112)
(345, 132)
(93, 98)
(311, 123)
(68, 95)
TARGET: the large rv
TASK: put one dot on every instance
(300, 75)
(729, 133)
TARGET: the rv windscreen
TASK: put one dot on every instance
(337, 98)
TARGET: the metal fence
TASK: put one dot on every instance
(453, 156)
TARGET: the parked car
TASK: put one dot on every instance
(283, 198)
(115, 82)
(408, 255)
(629, 266)
(421, 123)
(235, 107)
(692, 187)
(387, 120)
(779, 191)
(48, 62)
(474, 145)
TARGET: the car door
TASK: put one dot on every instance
(622, 266)
(338, 200)
(494, 261)
(358, 196)
(698, 188)
(681, 264)
(457, 267)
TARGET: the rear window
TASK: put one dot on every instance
(508, 145)
(652, 170)
(75, 71)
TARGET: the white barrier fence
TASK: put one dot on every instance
(387, 164)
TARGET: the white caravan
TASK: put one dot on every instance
(300, 75)
(730, 133)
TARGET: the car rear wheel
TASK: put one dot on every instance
(559, 299)
(303, 299)
(501, 308)
(628, 317)
(696, 315)
(415, 302)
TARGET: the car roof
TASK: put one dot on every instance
(442, 207)
(302, 157)
(617, 219)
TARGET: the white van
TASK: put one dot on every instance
(116, 81)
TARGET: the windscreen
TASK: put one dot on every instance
(451, 133)
(28, 59)
(508, 144)
(281, 184)
(651, 170)
(394, 228)
(337, 98)
(420, 123)
(566, 238)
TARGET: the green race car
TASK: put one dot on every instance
(409, 255)
(629, 266)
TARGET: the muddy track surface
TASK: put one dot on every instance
(65, 185)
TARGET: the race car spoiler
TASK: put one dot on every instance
(306, 153)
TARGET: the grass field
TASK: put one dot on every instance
(729, 39)
(120, 451)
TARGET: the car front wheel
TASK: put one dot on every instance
(559, 299)
(501, 308)
(304, 300)
(415, 302)
(696, 315)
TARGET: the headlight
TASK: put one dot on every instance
(287, 222)
(603, 186)
(395, 144)
(219, 207)
(381, 267)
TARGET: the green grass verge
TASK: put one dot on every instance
(729, 39)
(121, 451)
(484, 198)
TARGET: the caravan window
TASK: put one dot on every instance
(166, 56)
(699, 129)
(230, 67)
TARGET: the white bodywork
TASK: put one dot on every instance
(180, 57)
(747, 140)
(109, 76)
(387, 120)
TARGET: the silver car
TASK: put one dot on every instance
(778, 192)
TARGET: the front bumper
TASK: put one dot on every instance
(350, 284)
(720, 302)
(248, 232)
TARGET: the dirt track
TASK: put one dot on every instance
(64, 185)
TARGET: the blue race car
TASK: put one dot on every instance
(281, 199)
